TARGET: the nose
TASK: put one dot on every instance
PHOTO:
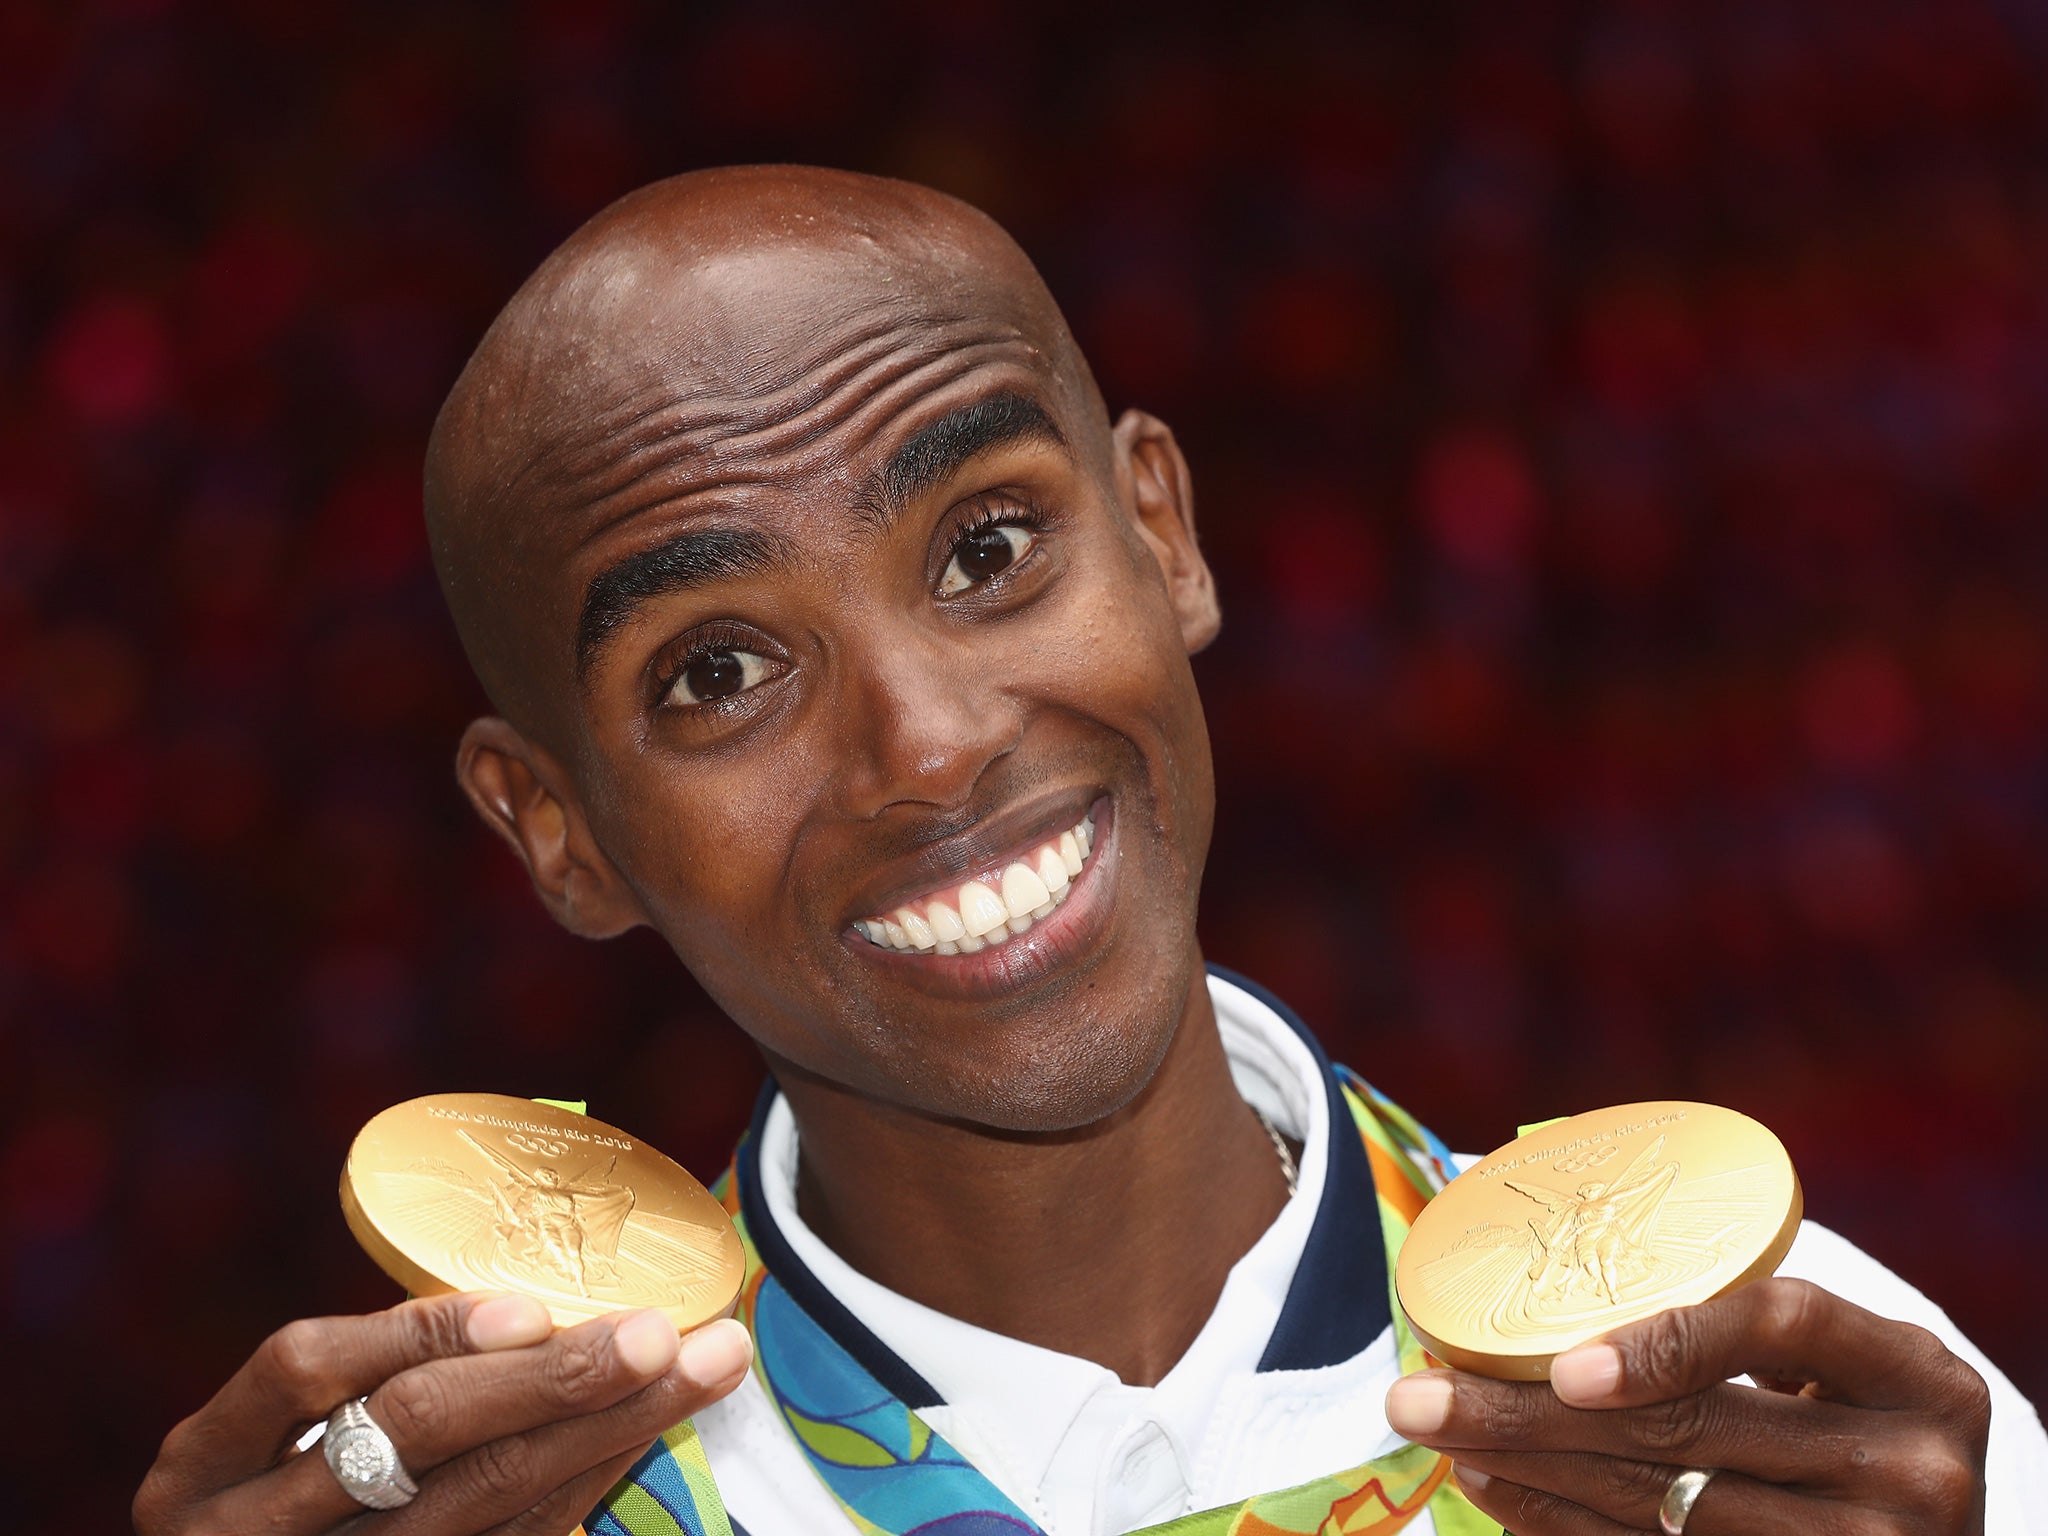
(926, 712)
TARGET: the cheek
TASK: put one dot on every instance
(1101, 678)
(1110, 631)
(1128, 668)
(703, 849)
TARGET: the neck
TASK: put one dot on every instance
(1112, 1244)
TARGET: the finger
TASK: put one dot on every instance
(298, 1375)
(438, 1411)
(434, 1412)
(1765, 1434)
(1531, 1511)
(563, 1509)
(1783, 1330)
(503, 1479)
(1629, 1493)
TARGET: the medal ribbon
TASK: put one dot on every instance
(894, 1475)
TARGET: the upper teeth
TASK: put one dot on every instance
(992, 909)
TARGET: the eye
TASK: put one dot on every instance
(719, 672)
(983, 552)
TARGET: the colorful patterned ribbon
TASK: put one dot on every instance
(894, 1476)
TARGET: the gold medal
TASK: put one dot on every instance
(482, 1191)
(1575, 1228)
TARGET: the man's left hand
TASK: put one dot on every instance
(1868, 1425)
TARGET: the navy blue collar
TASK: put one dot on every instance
(1338, 1303)
(1335, 1308)
(805, 1289)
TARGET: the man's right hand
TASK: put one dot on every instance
(505, 1423)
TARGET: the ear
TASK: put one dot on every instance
(525, 796)
(1161, 496)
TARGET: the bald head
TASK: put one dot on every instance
(733, 333)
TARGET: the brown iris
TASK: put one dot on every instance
(714, 675)
(985, 552)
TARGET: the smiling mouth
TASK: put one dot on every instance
(991, 909)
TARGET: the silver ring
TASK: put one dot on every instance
(363, 1459)
(1680, 1497)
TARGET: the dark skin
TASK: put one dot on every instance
(896, 740)
(783, 522)
(1861, 1424)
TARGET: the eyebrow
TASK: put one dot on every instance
(691, 559)
(936, 450)
(694, 559)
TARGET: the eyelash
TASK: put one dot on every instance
(719, 635)
(992, 511)
(987, 511)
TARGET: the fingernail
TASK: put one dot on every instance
(717, 1352)
(1473, 1479)
(1419, 1405)
(508, 1322)
(1586, 1375)
(645, 1341)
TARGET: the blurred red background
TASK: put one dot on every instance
(1619, 431)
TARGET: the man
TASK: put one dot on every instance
(838, 635)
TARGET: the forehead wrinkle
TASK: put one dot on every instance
(820, 377)
(771, 455)
(938, 449)
(747, 369)
(748, 273)
(729, 492)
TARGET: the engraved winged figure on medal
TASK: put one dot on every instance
(571, 1226)
(515, 1220)
(1599, 1248)
(1601, 1233)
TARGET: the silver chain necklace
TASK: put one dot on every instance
(1287, 1165)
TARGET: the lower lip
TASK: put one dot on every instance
(1050, 944)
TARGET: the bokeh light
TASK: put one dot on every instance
(1618, 427)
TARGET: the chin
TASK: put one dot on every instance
(1080, 1062)
(1055, 1028)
